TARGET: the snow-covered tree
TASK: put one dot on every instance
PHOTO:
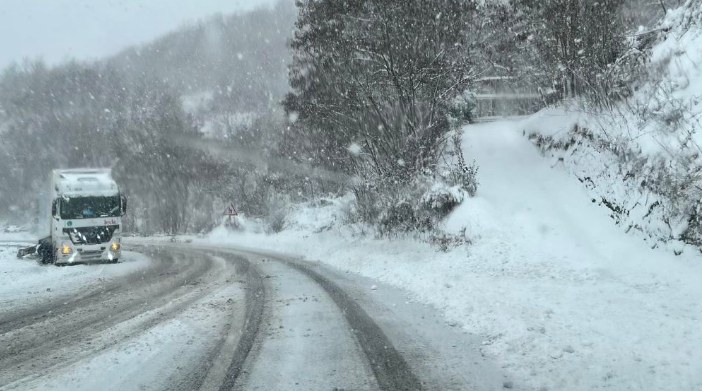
(573, 41)
(377, 75)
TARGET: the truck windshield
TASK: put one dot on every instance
(89, 207)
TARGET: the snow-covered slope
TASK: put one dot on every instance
(589, 306)
(641, 160)
(679, 55)
(563, 298)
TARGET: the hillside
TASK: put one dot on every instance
(641, 159)
(240, 59)
(222, 78)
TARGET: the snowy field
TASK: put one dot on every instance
(564, 299)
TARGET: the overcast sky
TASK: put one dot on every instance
(57, 30)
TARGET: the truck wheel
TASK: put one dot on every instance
(46, 256)
(45, 251)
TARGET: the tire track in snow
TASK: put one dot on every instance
(236, 346)
(34, 349)
(222, 366)
(389, 366)
(255, 302)
(63, 304)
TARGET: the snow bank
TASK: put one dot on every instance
(610, 173)
(640, 161)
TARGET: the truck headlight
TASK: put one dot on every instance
(115, 246)
(65, 250)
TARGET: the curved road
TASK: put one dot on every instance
(233, 319)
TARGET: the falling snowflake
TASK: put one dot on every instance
(293, 116)
(355, 149)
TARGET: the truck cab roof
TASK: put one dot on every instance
(84, 182)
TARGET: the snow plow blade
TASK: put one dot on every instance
(26, 251)
(34, 249)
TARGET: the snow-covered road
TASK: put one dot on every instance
(180, 317)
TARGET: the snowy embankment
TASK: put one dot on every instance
(564, 299)
(641, 159)
(24, 283)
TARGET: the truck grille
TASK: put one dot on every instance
(91, 235)
(87, 255)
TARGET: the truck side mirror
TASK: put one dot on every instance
(123, 199)
(54, 212)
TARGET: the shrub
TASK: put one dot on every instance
(277, 212)
(276, 221)
(445, 242)
(417, 206)
(459, 173)
(460, 109)
(400, 217)
(396, 205)
(443, 198)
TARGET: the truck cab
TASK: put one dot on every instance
(86, 217)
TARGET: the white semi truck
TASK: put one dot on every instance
(86, 218)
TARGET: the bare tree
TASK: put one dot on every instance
(371, 80)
